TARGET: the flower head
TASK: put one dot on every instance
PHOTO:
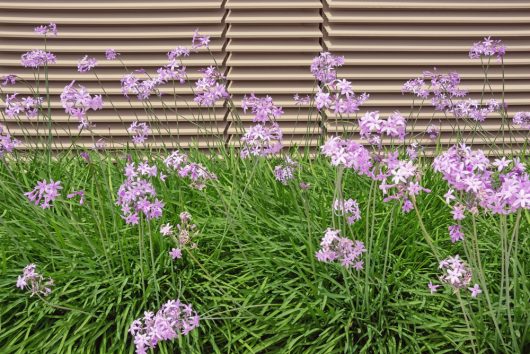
(37, 58)
(171, 320)
(333, 247)
(111, 54)
(44, 193)
(86, 64)
(34, 281)
(47, 29)
(488, 48)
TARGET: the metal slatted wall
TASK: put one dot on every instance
(266, 47)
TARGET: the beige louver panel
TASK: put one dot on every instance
(385, 43)
(270, 47)
(143, 32)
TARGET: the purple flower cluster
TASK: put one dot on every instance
(7, 144)
(44, 193)
(446, 95)
(522, 119)
(342, 102)
(29, 106)
(37, 58)
(456, 234)
(76, 101)
(472, 109)
(301, 101)
(432, 131)
(183, 237)
(86, 64)
(493, 186)
(171, 320)
(348, 208)
(143, 89)
(336, 248)
(372, 127)
(197, 173)
(262, 140)
(47, 29)
(81, 195)
(199, 40)
(349, 154)
(285, 172)
(324, 67)
(455, 272)
(402, 178)
(210, 87)
(140, 132)
(111, 54)
(34, 281)
(488, 48)
(9, 79)
(264, 109)
(137, 195)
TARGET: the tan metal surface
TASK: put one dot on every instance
(264, 47)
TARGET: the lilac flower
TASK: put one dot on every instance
(433, 288)
(29, 106)
(111, 54)
(372, 127)
(34, 281)
(7, 144)
(166, 229)
(473, 110)
(140, 132)
(501, 191)
(285, 172)
(210, 87)
(337, 102)
(8, 80)
(197, 173)
(349, 154)
(81, 195)
(171, 320)
(336, 248)
(137, 195)
(85, 156)
(501, 164)
(47, 29)
(488, 48)
(261, 140)
(522, 119)
(455, 272)
(301, 101)
(44, 190)
(433, 132)
(475, 290)
(456, 234)
(37, 58)
(263, 109)
(130, 84)
(304, 186)
(442, 89)
(324, 67)
(86, 64)
(76, 101)
(178, 52)
(175, 253)
(99, 145)
(348, 208)
(199, 40)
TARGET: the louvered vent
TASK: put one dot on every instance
(270, 47)
(143, 32)
(385, 43)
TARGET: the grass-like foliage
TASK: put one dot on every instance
(253, 277)
(384, 247)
